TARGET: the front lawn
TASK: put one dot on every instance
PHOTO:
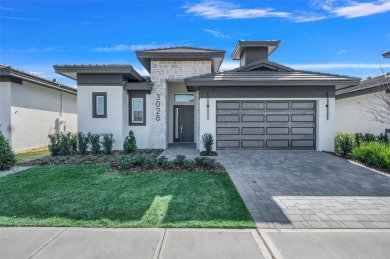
(88, 196)
(29, 155)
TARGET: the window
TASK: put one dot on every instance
(138, 110)
(184, 98)
(99, 105)
(137, 107)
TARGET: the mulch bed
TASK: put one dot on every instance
(211, 153)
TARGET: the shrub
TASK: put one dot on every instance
(359, 138)
(107, 142)
(383, 138)
(373, 153)
(188, 164)
(82, 143)
(345, 142)
(130, 144)
(61, 144)
(180, 159)
(368, 137)
(94, 139)
(7, 157)
(72, 142)
(208, 142)
(205, 163)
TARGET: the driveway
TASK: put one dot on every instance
(308, 189)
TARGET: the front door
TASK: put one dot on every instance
(183, 123)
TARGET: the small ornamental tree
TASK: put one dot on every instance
(7, 157)
(130, 144)
(208, 142)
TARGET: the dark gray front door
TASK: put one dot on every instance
(266, 124)
(183, 123)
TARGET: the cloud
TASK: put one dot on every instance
(340, 52)
(218, 34)
(330, 66)
(228, 10)
(123, 47)
(325, 9)
(229, 65)
(20, 18)
(356, 9)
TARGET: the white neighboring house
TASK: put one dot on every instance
(259, 105)
(353, 104)
(32, 107)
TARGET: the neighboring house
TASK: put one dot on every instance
(32, 107)
(353, 105)
(386, 54)
(261, 104)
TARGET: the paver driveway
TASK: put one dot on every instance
(308, 189)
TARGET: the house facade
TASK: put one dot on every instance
(259, 105)
(32, 107)
(355, 105)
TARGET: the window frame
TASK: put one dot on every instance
(134, 110)
(95, 96)
(136, 94)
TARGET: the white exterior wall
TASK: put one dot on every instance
(141, 133)
(351, 115)
(5, 110)
(161, 72)
(36, 112)
(325, 128)
(114, 121)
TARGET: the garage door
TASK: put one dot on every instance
(266, 124)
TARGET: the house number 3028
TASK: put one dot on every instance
(158, 107)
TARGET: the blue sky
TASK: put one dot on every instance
(344, 37)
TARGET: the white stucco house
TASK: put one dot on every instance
(259, 105)
(354, 104)
(32, 107)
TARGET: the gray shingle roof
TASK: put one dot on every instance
(369, 85)
(72, 70)
(269, 73)
(9, 71)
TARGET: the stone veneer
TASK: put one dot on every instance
(161, 71)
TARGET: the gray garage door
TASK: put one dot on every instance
(266, 124)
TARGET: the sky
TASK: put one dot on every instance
(332, 36)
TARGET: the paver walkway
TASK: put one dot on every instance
(180, 149)
(308, 189)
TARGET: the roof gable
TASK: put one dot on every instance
(263, 65)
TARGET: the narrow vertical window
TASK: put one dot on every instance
(138, 110)
(99, 105)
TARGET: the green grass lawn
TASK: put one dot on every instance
(88, 196)
(29, 155)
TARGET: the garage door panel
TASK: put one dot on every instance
(266, 124)
(252, 143)
(228, 143)
(252, 130)
(252, 117)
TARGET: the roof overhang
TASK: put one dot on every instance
(194, 85)
(141, 86)
(271, 45)
(386, 54)
(15, 73)
(193, 54)
(71, 71)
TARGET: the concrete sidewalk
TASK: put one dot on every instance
(130, 243)
(192, 243)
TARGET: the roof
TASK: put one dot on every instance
(71, 71)
(8, 71)
(386, 54)
(242, 44)
(266, 73)
(369, 85)
(181, 53)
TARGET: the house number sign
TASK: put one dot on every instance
(158, 110)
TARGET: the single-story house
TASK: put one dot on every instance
(354, 105)
(32, 107)
(259, 105)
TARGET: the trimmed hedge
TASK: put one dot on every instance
(7, 157)
(373, 153)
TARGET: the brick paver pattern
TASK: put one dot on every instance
(308, 189)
